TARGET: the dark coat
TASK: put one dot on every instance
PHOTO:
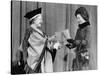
(82, 38)
(82, 44)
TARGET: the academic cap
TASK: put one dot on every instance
(32, 13)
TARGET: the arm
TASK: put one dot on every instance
(86, 39)
(51, 41)
(26, 37)
(84, 42)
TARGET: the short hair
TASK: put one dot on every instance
(31, 21)
(83, 12)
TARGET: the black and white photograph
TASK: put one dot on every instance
(53, 37)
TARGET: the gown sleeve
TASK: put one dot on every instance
(25, 43)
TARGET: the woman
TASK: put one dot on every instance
(36, 50)
(81, 41)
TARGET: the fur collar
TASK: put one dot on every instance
(81, 26)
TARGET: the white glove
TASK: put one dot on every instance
(57, 45)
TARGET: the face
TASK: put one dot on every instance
(80, 19)
(38, 20)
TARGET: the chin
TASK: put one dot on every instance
(39, 26)
(79, 23)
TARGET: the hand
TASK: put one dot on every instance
(57, 46)
(70, 40)
(69, 46)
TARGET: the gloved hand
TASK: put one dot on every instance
(57, 45)
(69, 46)
(70, 40)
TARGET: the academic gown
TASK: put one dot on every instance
(33, 45)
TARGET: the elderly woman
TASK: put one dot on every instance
(81, 41)
(36, 47)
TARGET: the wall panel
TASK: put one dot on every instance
(15, 28)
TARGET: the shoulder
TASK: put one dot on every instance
(30, 30)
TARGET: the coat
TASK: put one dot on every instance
(83, 36)
(82, 44)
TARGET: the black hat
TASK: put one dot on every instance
(31, 14)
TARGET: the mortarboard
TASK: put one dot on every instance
(32, 13)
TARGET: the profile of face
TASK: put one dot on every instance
(80, 19)
(38, 20)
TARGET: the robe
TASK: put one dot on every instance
(33, 45)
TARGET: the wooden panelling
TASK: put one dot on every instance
(15, 27)
(93, 48)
